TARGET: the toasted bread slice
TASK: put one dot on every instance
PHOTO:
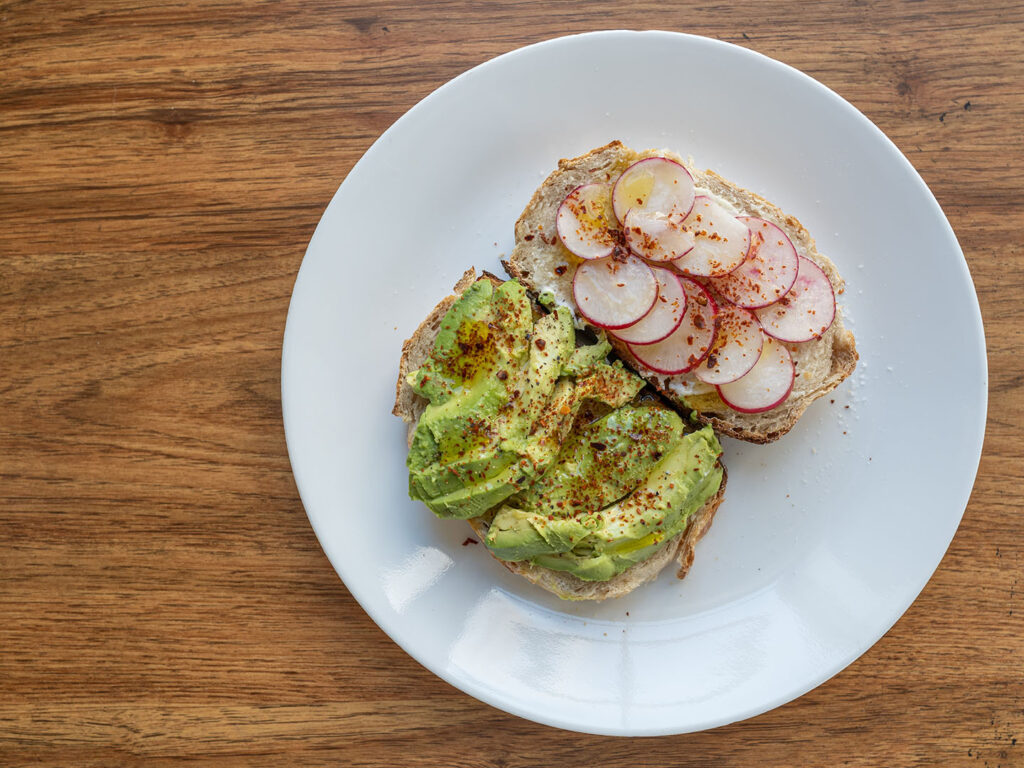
(541, 263)
(409, 407)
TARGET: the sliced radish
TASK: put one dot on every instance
(614, 294)
(736, 349)
(806, 311)
(664, 317)
(687, 345)
(720, 240)
(656, 236)
(769, 271)
(654, 184)
(766, 385)
(583, 221)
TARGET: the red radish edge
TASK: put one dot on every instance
(720, 284)
(687, 256)
(637, 240)
(778, 402)
(599, 251)
(723, 331)
(589, 318)
(622, 217)
(679, 320)
(819, 277)
(691, 307)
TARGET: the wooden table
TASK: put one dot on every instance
(163, 600)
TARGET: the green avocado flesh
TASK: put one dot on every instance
(548, 442)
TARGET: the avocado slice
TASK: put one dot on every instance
(516, 534)
(585, 359)
(605, 460)
(463, 348)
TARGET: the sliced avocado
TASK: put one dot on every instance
(515, 534)
(689, 473)
(552, 342)
(547, 300)
(586, 568)
(459, 347)
(471, 372)
(438, 480)
(585, 359)
(469, 447)
(630, 530)
(603, 461)
(448, 432)
(473, 499)
(608, 385)
(550, 442)
(657, 511)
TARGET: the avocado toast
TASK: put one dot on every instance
(570, 471)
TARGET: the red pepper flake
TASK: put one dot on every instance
(528, 238)
(540, 343)
(469, 540)
(560, 269)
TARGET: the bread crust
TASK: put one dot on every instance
(409, 407)
(821, 365)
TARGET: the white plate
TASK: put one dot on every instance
(824, 538)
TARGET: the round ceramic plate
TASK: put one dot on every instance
(824, 538)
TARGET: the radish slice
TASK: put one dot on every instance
(612, 293)
(656, 236)
(687, 345)
(664, 317)
(583, 221)
(654, 184)
(769, 271)
(767, 384)
(720, 240)
(804, 313)
(736, 349)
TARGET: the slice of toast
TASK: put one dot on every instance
(541, 263)
(409, 407)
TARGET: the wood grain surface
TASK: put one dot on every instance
(163, 600)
